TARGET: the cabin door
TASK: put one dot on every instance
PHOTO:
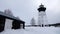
(16, 24)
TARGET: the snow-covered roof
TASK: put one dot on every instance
(4, 14)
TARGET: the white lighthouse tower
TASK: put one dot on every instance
(41, 15)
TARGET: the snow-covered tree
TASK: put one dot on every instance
(8, 12)
(18, 17)
(32, 21)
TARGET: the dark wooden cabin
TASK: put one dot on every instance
(16, 24)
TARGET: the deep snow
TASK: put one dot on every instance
(34, 30)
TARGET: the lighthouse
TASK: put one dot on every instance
(41, 15)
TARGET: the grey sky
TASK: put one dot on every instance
(27, 9)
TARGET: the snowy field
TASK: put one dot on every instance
(34, 30)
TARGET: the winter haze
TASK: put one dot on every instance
(27, 9)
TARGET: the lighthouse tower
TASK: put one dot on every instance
(41, 15)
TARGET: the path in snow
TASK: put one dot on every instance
(34, 30)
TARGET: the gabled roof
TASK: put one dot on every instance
(9, 16)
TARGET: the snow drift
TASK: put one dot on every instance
(33, 30)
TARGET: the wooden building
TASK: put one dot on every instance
(10, 22)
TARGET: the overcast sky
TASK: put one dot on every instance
(27, 9)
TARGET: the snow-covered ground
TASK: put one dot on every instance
(34, 30)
